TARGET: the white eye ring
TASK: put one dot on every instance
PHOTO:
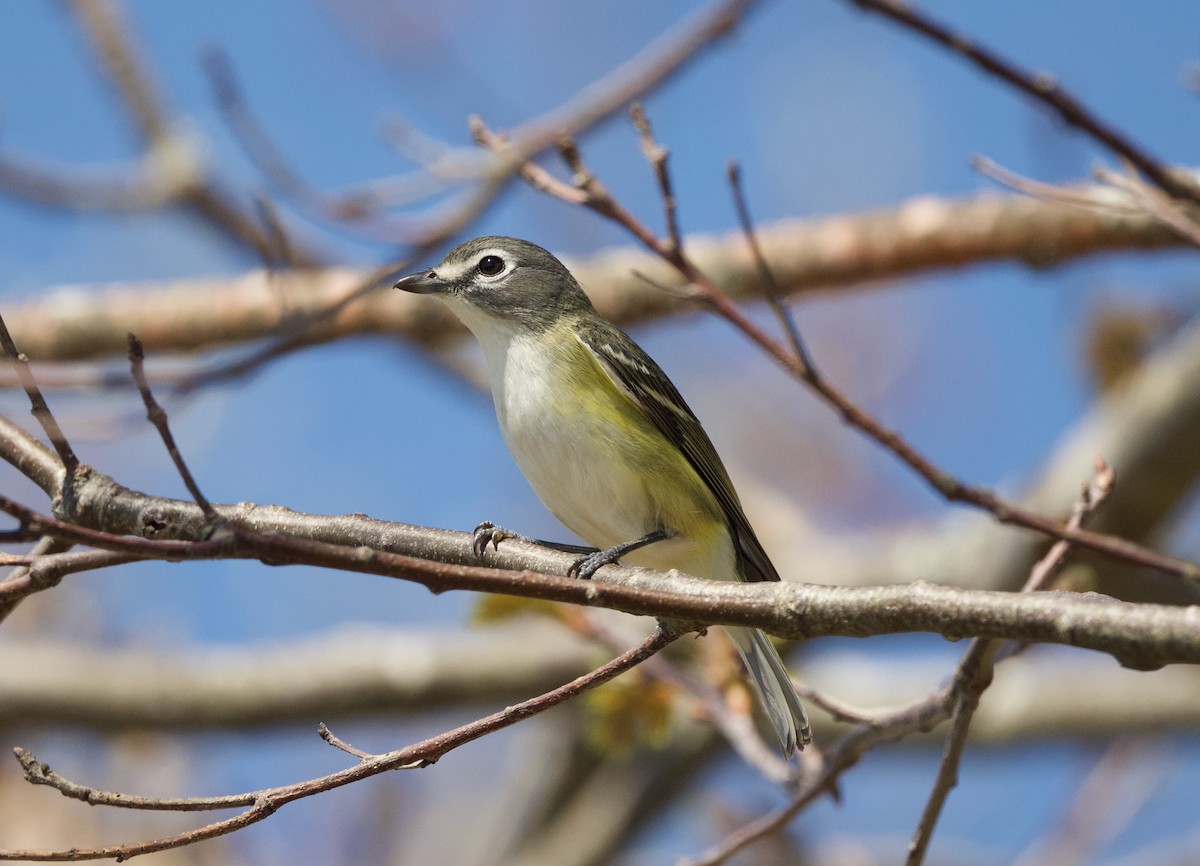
(491, 266)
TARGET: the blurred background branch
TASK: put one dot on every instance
(1011, 337)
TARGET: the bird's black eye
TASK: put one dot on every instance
(489, 266)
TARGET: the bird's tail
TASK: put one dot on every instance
(775, 688)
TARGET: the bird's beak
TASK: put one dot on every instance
(422, 283)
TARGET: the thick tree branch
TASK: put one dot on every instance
(347, 673)
(805, 255)
(363, 671)
(1139, 636)
(260, 805)
(104, 514)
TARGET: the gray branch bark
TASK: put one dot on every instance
(1140, 636)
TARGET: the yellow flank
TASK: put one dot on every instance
(605, 452)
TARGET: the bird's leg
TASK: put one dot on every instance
(586, 566)
(489, 533)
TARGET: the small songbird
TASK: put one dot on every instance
(605, 439)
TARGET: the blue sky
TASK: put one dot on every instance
(829, 111)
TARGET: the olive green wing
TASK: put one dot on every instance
(644, 382)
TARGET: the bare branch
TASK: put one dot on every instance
(340, 744)
(958, 701)
(918, 236)
(1042, 88)
(25, 580)
(952, 489)
(46, 569)
(770, 284)
(172, 165)
(974, 672)
(1146, 425)
(1154, 203)
(344, 674)
(358, 672)
(158, 417)
(37, 402)
(484, 175)
(158, 178)
(262, 804)
(657, 156)
(1139, 636)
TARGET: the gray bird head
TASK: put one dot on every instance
(502, 278)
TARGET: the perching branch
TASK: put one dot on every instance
(104, 515)
(1138, 635)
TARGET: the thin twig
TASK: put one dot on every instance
(44, 570)
(835, 761)
(1135, 197)
(351, 208)
(338, 743)
(839, 711)
(297, 334)
(737, 728)
(1091, 496)
(957, 700)
(974, 672)
(972, 677)
(1091, 198)
(282, 247)
(101, 22)
(599, 199)
(657, 155)
(38, 407)
(261, 804)
(114, 48)
(158, 417)
(1041, 87)
(769, 283)
(25, 580)
(491, 173)
(1153, 202)
(532, 173)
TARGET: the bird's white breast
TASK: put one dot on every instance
(566, 443)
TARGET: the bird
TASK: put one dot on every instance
(605, 439)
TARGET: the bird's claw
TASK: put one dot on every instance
(489, 533)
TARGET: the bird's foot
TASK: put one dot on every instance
(584, 567)
(489, 533)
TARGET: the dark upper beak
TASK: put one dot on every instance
(422, 283)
